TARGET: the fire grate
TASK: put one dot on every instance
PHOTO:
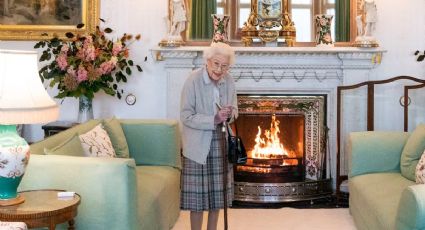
(270, 170)
(282, 192)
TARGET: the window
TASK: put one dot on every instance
(302, 14)
(221, 5)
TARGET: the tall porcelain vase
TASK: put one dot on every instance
(323, 30)
(85, 109)
(221, 28)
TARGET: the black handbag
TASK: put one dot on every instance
(236, 149)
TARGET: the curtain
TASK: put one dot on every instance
(201, 16)
(342, 20)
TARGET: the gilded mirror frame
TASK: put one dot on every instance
(89, 17)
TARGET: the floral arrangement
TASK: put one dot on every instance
(84, 64)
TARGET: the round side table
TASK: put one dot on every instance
(42, 208)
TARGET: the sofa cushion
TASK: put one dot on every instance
(412, 151)
(96, 143)
(70, 147)
(374, 199)
(116, 134)
(57, 139)
(420, 170)
(153, 142)
(159, 189)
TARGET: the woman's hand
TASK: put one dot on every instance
(223, 115)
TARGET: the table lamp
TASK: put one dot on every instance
(23, 100)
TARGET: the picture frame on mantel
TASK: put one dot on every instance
(45, 19)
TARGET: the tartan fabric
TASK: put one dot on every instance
(202, 185)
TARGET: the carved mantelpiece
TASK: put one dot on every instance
(277, 70)
(280, 63)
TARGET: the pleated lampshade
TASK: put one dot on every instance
(23, 98)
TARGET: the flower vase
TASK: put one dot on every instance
(323, 30)
(85, 109)
(221, 28)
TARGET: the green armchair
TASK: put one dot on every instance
(380, 197)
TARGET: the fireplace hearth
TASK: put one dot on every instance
(284, 138)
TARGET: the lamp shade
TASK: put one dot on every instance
(23, 98)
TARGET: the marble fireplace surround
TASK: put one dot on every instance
(278, 70)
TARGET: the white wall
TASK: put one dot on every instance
(400, 30)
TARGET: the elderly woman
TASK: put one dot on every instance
(208, 99)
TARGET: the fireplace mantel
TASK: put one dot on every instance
(277, 70)
(273, 68)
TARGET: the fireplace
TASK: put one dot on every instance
(285, 139)
(271, 159)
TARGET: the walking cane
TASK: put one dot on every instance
(224, 153)
(224, 161)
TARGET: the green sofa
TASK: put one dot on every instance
(140, 192)
(380, 197)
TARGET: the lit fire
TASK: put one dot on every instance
(270, 146)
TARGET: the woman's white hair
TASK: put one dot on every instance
(219, 48)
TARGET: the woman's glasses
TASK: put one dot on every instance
(218, 66)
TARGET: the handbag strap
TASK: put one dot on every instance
(236, 127)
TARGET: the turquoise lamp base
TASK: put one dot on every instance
(14, 201)
(14, 156)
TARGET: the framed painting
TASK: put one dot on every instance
(44, 19)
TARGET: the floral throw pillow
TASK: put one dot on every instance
(420, 170)
(96, 143)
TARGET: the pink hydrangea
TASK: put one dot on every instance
(89, 53)
(107, 67)
(81, 74)
(88, 41)
(116, 49)
(62, 62)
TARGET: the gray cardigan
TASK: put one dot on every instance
(197, 112)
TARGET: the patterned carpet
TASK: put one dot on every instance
(283, 218)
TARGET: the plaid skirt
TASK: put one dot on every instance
(202, 185)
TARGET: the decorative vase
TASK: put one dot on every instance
(323, 30)
(14, 156)
(85, 109)
(221, 28)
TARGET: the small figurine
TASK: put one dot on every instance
(178, 19)
(176, 24)
(366, 24)
(359, 23)
(371, 17)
